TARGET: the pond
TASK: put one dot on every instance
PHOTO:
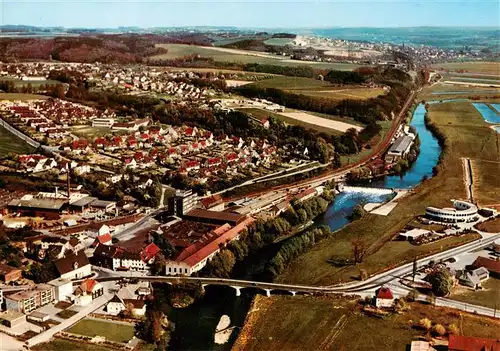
(488, 114)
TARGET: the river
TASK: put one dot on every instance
(338, 212)
(196, 324)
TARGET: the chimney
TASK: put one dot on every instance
(68, 172)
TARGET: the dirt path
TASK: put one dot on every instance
(319, 121)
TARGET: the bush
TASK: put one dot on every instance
(425, 323)
(453, 329)
(412, 295)
(439, 330)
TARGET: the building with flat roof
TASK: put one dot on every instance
(27, 301)
(462, 211)
(182, 202)
(12, 318)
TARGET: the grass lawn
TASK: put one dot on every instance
(11, 143)
(66, 314)
(66, 345)
(469, 136)
(491, 226)
(294, 83)
(317, 88)
(112, 331)
(486, 175)
(313, 323)
(489, 296)
(260, 113)
(180, 50)
(472, 67)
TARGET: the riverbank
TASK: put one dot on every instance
(464, 127)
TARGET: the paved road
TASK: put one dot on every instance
(390, 277)
(49, 333)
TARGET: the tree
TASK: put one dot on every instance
(425, 323)
(363, 274)
(358, 250)
(441, 282)
(414, 271)
(431, 299)
(453, 329)
(412, 295)
(357, 213)
(439, 330)
(401, 305)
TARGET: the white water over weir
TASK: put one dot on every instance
(361, 189)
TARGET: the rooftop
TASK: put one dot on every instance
(39, 203)
(400, 144)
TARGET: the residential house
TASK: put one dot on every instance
(9, 274)
(73, 266)
(117, 305)
(63, 289)
(470, 343)
(384, 298)
(88, 290)
(493, 266)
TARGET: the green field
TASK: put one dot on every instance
(278, 41)
(66, 345)
(180, 50)
(11, 143)
(472, 67)
(317, 88)
(433, 92)
(489, 296)
(486, 181)
(294, 83)
(20, 82)
(312, 323)
(469, 137)
(111, 331)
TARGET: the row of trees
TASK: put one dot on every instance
(365, 111)
(196, 61)
(263, 234)
(295, 246)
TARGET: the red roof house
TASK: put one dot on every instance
(469, 343)
(384, 297)
(149, 252)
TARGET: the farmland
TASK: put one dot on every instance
(469, 136)
(488, 296)
(318, 323)
(319, 88)
(21, 97)
(11, 143)
(320, 122)
(233, 55)
(471, 67)
(66, 345)
(486, 184)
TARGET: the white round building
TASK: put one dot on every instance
(462, 211)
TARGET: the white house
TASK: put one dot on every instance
(63, 288)
(117, 305)
(384, 298)
(73, 266)
(462, 211)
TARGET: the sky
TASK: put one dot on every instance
(251, 13)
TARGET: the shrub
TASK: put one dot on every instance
(453, 329)
(439, 330)
(425, 323)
